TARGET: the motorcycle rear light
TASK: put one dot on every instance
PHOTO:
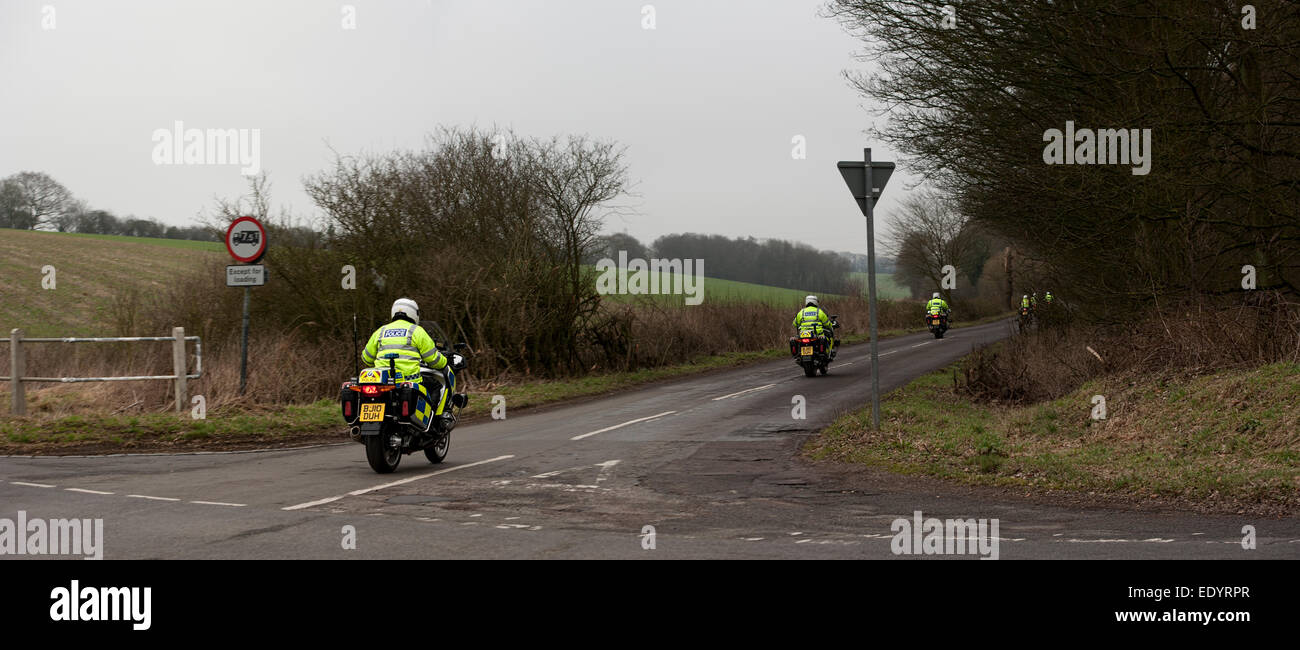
(406, 409)
(805, 340)
(347, 409)
(373, 389)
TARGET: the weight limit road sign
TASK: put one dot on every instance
(246, 240)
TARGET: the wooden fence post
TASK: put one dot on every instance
(178, 367)
(17, 367)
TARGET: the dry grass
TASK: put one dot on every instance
(1188, 340)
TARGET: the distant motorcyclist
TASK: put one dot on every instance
(1047, 298)
(812, 317)
(410, 346)
(937, 301)
(1033, 300)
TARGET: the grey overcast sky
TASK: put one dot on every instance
(707, 103)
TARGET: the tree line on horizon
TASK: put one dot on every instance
(36, 201)
(770, 262)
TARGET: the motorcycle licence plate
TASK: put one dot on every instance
(372, 412)
(805, 351)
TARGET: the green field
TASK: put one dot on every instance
(885, 285)
(150, 241)
(88, 271)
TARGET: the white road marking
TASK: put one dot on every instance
(847, 364)
(920, 344)
(605, 467)
(1156, 540)
(145, 496)
(354, 493)
(219, 503)
(42, 485)
(85, 491)
(748, 390)
(888, 353)
(617, 426)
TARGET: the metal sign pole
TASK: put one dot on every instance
(871, 294)
(861, 185)
(243, 345)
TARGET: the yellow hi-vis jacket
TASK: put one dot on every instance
(410, 343)
(813, 316)
(936, 302)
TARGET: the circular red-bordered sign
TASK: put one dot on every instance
(246, 240)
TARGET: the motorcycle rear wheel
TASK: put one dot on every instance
(809, 370)
(382, 457)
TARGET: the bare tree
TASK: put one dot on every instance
(43, 200)
(929, 234)
(972, 106)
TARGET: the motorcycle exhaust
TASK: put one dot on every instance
(355, 433)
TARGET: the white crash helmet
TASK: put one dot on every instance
(810, 300)
(936, 295)
(405, 306)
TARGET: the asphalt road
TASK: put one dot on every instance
(710, 462)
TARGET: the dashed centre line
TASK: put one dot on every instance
(354, 493)
(748, 390)
(145, 496)
(39, 485)
(619, 426)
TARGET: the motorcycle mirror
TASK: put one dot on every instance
(462, 346)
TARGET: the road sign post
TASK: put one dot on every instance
(246, 242)
(867, 187)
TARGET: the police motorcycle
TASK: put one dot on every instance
(390, 416)
(811, 349)
(937, 321)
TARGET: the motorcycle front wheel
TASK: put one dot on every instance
(438, 452)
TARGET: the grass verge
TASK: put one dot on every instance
(1227, 442)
